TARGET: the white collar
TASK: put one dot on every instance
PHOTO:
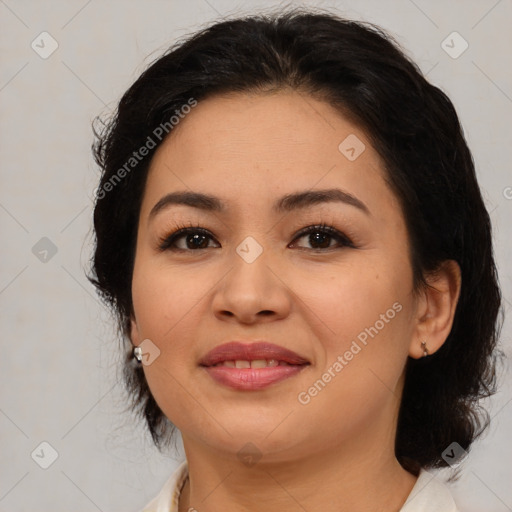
(428, 494)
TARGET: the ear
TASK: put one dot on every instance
(134, 331)
(436, 309)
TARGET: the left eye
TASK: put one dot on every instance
(322, 235)
(198, 238)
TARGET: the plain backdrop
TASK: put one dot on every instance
(59, 363)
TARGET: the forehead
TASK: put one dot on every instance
(271, 127)
(247, 146)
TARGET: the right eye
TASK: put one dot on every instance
(194, 239)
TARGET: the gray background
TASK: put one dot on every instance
(59, 370)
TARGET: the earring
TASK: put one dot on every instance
(137, 353)
(425, 349)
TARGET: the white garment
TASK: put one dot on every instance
(428, 494)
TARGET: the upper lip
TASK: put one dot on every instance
(240, 351)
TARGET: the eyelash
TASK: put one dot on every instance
(165, 243)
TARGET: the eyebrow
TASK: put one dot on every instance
(286, 204)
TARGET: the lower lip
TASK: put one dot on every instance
(250, 379)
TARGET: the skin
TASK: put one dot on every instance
(337, 451)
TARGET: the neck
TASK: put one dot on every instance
(357, 475)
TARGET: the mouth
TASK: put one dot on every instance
(252, 366)
(253, 353)
(255, 363)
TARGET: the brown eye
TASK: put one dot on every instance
(194, 239)
(320, 237)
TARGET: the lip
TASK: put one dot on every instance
(251, 378)
(239, 351)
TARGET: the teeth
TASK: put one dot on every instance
(256, 363)
(259, 363)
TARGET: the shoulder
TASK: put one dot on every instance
(429, 494)
(167, 498)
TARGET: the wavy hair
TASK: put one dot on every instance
(361, 71)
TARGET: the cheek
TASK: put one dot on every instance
(162, 297)
(164, 307)
(354, 298)
(364, 320)
(364, 350)
(169, 305)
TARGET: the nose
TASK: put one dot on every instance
(252, 291)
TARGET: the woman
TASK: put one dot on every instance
(290, 231)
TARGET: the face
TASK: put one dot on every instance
(338, 295)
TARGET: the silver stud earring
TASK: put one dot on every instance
(425, 349)
(137, 353)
